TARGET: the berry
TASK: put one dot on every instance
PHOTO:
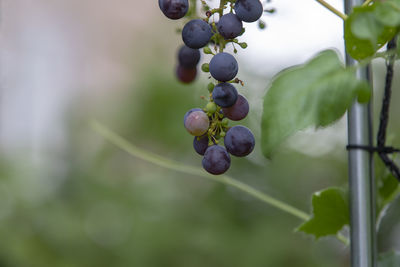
(238, 111)
(211, 107)
(239, 141)
(248, 10)
(225, 95)
(188, 57)
(216, 160)
(230, 26)
(223, 67)
(174, 9)
(196, 122)
(196, 33)
(189, 112)
(186, 75)
(200, 144)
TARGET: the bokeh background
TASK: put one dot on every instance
(68, 198)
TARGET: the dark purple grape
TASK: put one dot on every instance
(224, 95)
(196, 33)
(238, 111)
(200, 144)
(223, 67)
(216, 160)
(196, 122)
(174, 9)
(239, 141)
(188, 57)
(248, 10)
(230, 26)
(186, 75)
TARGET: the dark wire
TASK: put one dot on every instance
(384, 117)
(381, 149)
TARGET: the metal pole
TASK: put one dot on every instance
(361, 182)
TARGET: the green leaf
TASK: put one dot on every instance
(364, 33)
(389, 259)
(330, 213)
(388, 189)
(388, 13)
(317, 93)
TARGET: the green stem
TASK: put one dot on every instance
(366, 3)
(343, 239)
(332, 9)
(123, 144)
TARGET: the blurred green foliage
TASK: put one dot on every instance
(93, 205)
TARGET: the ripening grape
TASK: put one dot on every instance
(196, 122)
(188, 57)
(230, 26)
(200, 144)
(189, 112)
(239, 141)
(174, 9)
(223, 67)
(248, 10)
(196, 33)
(238, 111)
(224, 95)
(216, 160)
(186, 75)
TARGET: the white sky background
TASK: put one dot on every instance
(41, 72)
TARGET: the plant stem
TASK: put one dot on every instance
(332, 9)
(343, 239)
(123, 144)
(366, 3)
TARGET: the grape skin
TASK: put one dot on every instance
(186, 75)
(238, 111)
(239, 141)
(188, 57)
(225, 95)
(197, 123)
(216, 160)
(248, 10)
(174, 9)
(223, 67)
(189, 112)
(200, 144)
(230, 26)
(196, 33)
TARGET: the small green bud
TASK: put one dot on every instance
(243, 45)
(225, 121)
(222, 134)
(235, 51)
(207, 50)
(210, 87)
(261, 24)
(271, 10)
(211, 107)
(205, 67)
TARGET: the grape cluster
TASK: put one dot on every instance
(210, 125)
